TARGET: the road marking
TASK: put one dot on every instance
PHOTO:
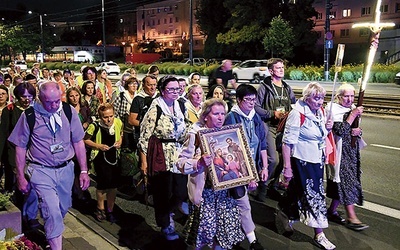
(381, 209)
(383, 146)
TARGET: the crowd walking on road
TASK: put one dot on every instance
(60, 133)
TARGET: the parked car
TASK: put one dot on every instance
(21, 64)
(110, 67)
(219, 61)
(196, 61)
(252, 70)
(397, 78)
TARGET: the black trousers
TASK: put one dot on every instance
(169, 190)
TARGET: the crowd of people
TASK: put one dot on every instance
(56, 128)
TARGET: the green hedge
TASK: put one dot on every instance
(350, 73)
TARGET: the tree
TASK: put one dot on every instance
(15, 39)
(279, 38)
(242, 25)
(211, 16)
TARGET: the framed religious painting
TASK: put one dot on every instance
(232, 163)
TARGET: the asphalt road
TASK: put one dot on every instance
(380, 164)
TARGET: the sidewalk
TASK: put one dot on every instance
(81, 233)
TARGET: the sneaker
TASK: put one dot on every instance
(322, 242)
(335, 217)
(184, 208)
(171, 221)
(111, 217)
(356, 226)
(284, 220)
(169, 233)
(255, 245)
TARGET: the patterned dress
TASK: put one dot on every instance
(349, 187)
(217, 217)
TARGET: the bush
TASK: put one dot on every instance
(296, 75)
(384, 77)
(347, 76)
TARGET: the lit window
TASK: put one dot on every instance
(346, 12)
(319, 16)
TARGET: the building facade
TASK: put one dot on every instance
(167, 23)
(344, 13)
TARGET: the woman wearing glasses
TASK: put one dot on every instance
(24, 94)
(243, 112)
(165, 120)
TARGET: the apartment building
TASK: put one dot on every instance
(344, 13)
(167, 22)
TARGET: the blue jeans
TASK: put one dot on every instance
(53, 188)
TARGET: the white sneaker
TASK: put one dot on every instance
(322, 242)
(171, 221)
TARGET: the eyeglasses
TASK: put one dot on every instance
(249, 100)
(27, 97)
(173, 90)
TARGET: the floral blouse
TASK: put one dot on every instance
(167, 128)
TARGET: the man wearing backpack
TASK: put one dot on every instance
(274, 99)
(47, 153)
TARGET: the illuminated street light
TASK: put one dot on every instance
(41, 31)
(180, 47)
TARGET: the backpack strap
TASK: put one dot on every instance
(31, 118)
(67, 111)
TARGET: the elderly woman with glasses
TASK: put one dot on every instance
(243, 112)
(165, 120)
(24, 93)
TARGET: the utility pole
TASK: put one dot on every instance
(41, 33)
(327, 38)
(104, 30)
(191, 32)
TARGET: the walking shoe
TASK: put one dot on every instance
(335, 217)
(322, 242)
(171, 221)
(169, 233)
(284, 220)
(184, 208)
(111, 217)
(356, 226)
(255, 245)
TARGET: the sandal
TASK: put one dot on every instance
(100, 214)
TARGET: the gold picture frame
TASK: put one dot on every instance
(232, 163)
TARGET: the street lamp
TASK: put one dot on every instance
(41, 32)
(180, 47)
(104, 30)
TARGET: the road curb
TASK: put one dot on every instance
(96, 228)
